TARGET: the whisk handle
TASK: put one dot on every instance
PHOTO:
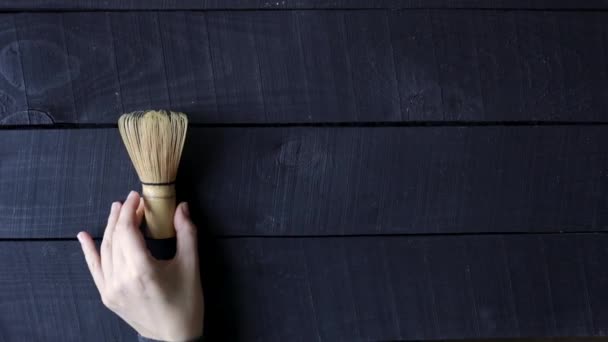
(159, 205)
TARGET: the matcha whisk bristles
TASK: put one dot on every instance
(154, 141)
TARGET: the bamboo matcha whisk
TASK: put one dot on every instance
(154, 140)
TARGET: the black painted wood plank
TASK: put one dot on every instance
(187, 53)
(281, 64)
(488, 289)
(48, 67)
(337, 289)
(447, 265)
(236, 66)
(41, 5)
(572, 316)
(305, 65)
(416, 63)
(321, 181)
(355, 286)
(543, 71)
(140, 61)
(539, 300)
(458, 66)
(96, 84)
(13, 97)
(372, 63)
(502, 66)
(331, 92)
(579, 61)
(46, 295)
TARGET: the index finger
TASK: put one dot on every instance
(128, 235)
(106, 243)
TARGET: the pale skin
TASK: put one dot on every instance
(160, 299)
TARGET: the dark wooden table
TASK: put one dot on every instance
(387, 170)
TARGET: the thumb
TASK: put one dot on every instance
(185, 234)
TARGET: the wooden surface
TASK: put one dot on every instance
(67, 5)
(359, 171)
(305, 66)
(321, 180)
(338, 289)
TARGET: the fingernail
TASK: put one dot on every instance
(186, 209)
(79, 237)
(131, 194)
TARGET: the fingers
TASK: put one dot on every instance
(128, 236)
(106, 243)
(187, 248)
(127, 218)
(93, 259)
(139, 213)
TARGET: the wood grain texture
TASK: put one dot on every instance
(46, 294)
(298, 66)
(337, 289)
(321, 181)
(66, 5)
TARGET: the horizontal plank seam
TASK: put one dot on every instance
(320, 8)
(334, 236)
(323, 124)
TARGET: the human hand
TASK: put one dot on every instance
(160, 299)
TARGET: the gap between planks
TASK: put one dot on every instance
(592, 9)
(318, 236)
(325, 124)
